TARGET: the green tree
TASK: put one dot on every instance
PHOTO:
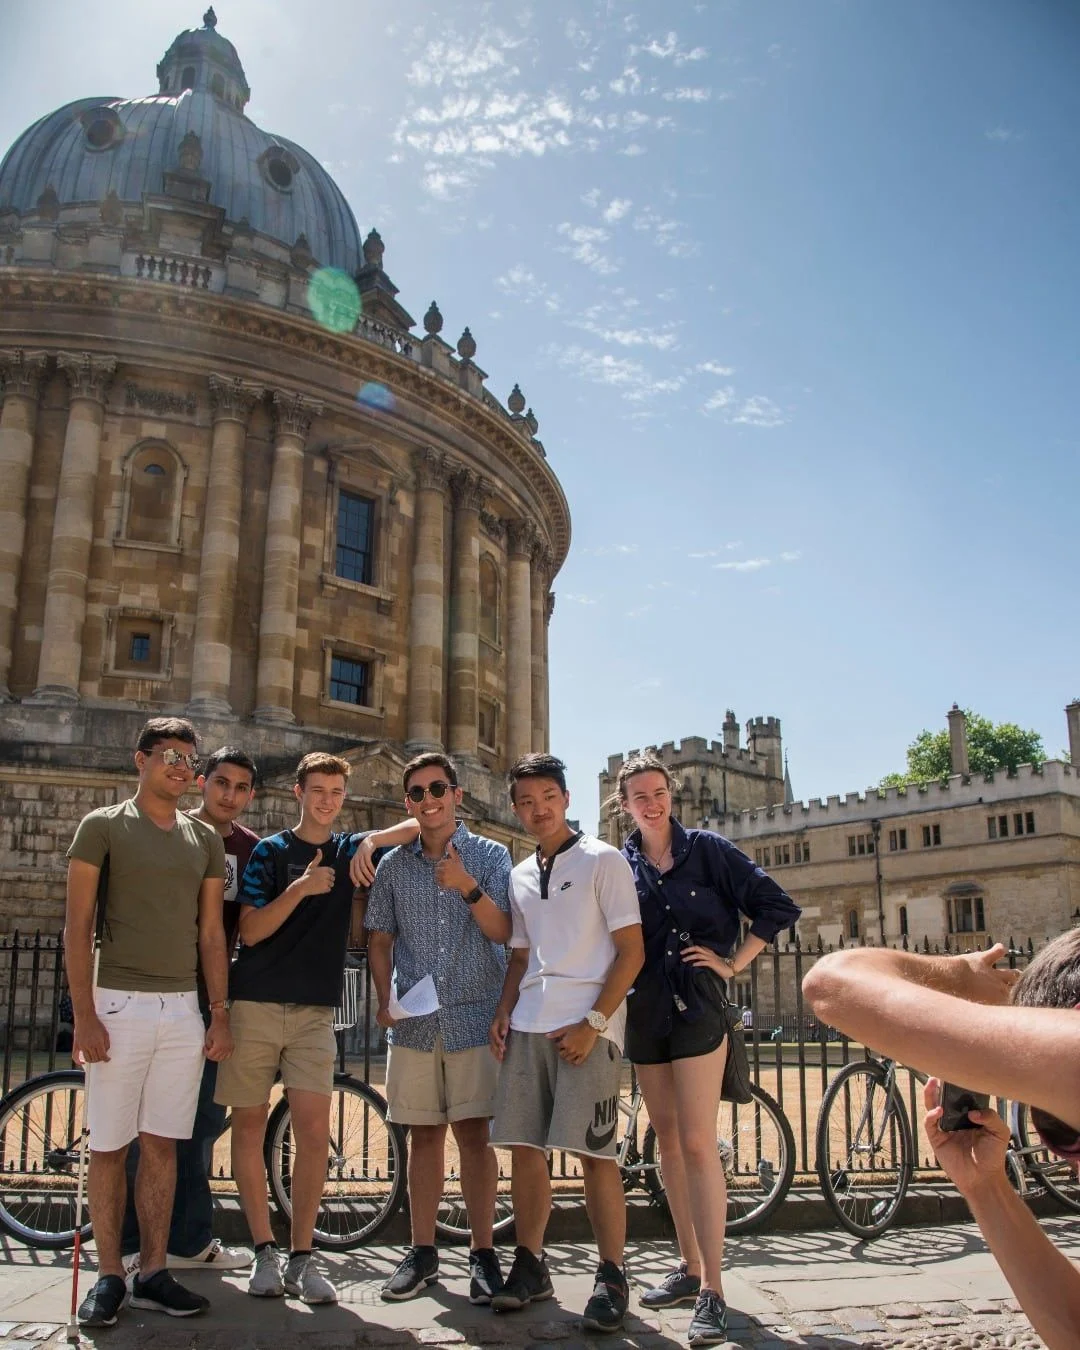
(991, 746)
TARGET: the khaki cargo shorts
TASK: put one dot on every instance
(295, 1038)
(432, 1087)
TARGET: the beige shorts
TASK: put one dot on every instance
(295, 1038)
(431, 1087)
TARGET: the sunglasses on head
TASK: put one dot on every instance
(173, 757)
(1058, 1137)
(437, 789)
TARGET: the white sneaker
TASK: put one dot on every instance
(214, 1256)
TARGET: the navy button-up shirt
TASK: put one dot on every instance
(435, 934)
(709, 885)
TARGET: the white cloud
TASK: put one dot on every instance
(455, 61)
(583, 245)
(716, 552)
(580, 599)
(720, 398)
(616, 209)
(638, 613)
(759, 412)
(668, 49)
(685, 94)
(632, 150)
(747, 565)
(1003, 135)
(791, 555)
(713, 368)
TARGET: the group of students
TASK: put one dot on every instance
(544, 974)
(221, 961)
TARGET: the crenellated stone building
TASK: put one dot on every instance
(237, 484)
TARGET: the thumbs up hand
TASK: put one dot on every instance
(450, 872)
(317, 879)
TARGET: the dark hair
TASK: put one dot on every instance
(1052, 980)
(321, 762)
(229, 754)
(427, 760)
(537, 765)
(165, 729)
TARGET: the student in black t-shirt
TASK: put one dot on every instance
(296, 908)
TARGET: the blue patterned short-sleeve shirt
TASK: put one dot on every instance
(435, 934)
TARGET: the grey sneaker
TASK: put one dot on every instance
(265, 1278)
(708, 1326)
(304, 1280)
(677, 1287)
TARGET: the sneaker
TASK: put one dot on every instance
(485, 1275)
(161, 1293)
(304, 1280)
(708, 1326)
(214, 1256)
(418, 1268)
(607, 1307)
(101, 1306)
(678, 1287)
(528, 1282)
(265, 1278)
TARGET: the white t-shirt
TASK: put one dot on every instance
(566, 919)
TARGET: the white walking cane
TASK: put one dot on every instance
(84, 1139)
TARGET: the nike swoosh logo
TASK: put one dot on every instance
(595, 1142)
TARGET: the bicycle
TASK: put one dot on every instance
(42, 1126)
(865, 1150)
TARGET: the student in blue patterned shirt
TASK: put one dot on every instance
(439, 907)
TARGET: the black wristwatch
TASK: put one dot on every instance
(473, 895)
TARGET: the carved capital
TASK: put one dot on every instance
(549, 606)
(432, 470)
(522, 535)
(542, 559)
(493, 525)
(294, 413)
(468, 489)
(233, 399)
(87, 376)
(21, 372)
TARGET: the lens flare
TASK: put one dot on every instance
(376, 396)
(334, 300)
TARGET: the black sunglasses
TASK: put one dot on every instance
(437, 789)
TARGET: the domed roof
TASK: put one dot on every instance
(95, 146)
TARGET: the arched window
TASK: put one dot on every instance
(903, 919)
(187, 79)
(152, 490)
(853, 924)
(489, 600)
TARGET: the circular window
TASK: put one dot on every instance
(100, 134)
(280, 173)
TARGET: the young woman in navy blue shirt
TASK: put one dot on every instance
(694, 888)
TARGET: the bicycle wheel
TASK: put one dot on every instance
(452, 1219)
(1058, 1175)
(865, 1152)
(758, 1150)
(365, 1169)
(41, 1124)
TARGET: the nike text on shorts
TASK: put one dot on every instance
(545, 1102)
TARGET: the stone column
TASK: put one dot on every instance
(541, 570)
(549, 610)
(1072, 719)
(20, 383)
(426, 614)
(293, 415)
(60, 661)
(468, 493)
(232, 401)
(958, 746)
(521, 534)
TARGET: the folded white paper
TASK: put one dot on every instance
(420, 1000)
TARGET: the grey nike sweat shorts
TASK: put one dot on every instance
(543, 1102)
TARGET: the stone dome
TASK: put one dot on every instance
(195, 123)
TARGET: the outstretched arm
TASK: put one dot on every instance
(936, 1015)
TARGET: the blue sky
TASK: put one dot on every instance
(792, 288)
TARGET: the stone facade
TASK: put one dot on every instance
(184, 428)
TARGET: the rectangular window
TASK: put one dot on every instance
(140, 647)
(991, 827)
(937, 835)
(1003, 827)
(860, 843)
(931, 835)
(764, 857)
(893, 841)
(1018, 822)
(1029, 821)
(488, 723)
(349, 681)
(903, 839)
(787, 855)
(757, 856)
(806, 851)
(966, 915)
(356, 517)
(802, 851)
(851, 846)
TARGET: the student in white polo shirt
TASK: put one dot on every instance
(558, 1030)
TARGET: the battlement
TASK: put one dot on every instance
(1029, 781)
(691, 750)
(763, 726)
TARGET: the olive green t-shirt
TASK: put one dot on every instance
(150, 936)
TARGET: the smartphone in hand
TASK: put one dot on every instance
(956, 1102)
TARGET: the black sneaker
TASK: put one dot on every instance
(418, 1269)
(678, 1287)
(485, 1275)
(528, 1282)
(161, 1293)
(607, 1307)
(101, 1306)
(708, 1326)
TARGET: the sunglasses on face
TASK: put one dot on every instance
(437, 789)
(173, 757)
(1058, 1137)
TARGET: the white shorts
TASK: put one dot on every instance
(150, 1083)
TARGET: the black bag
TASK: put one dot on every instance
(737, 1084)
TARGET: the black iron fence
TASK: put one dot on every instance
(792, 1054)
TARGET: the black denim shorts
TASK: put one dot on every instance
(646, 1044)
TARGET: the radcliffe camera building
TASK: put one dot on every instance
(237, 484)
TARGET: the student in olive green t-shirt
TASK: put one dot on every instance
(139, 1033)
